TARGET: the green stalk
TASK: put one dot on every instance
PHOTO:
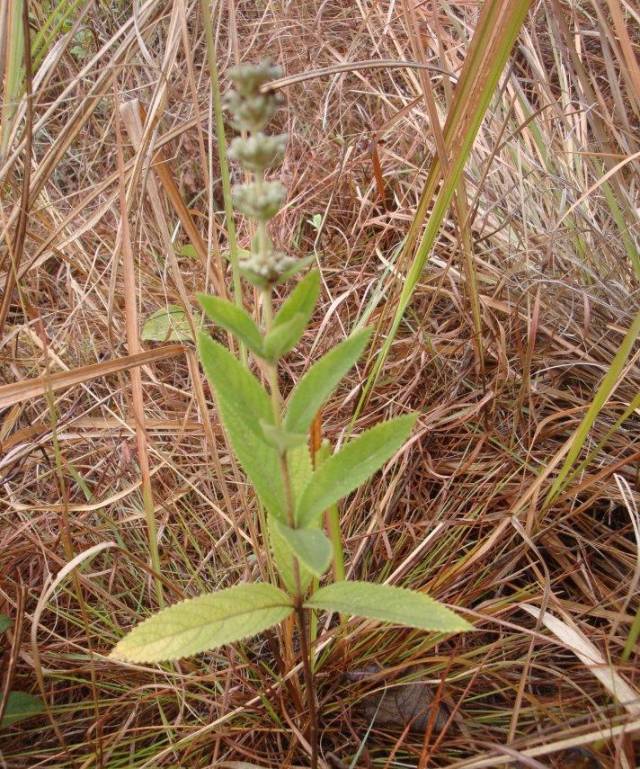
(305, 650)
(607, 386)
(277, 406)
(224, 164)
(333, 523)
(634, 632)
(497, 31)
(262, 251)
(332, 519)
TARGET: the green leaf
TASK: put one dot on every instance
(351, 466)
(317, 385)
(188, 250)
(302, 300)
(310, 546)
(281, 339)
(168, 324)
(315, 221)
(5, 623)
(20, 706)
(300, 472)
(233, 319)
(204, 623)
(280, 439)
(388, 604)
(295, 268)
(243, 406)
(300, 469)
(284, 560)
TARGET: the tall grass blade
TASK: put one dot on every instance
(496, 34)
(604, 392)
(13, 74)
(221, 141)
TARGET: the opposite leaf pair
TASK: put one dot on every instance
(288, 324)
(214, 619)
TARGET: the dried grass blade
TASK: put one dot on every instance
(222, 154)
(591, 658)
(133, 343)
(19, 392)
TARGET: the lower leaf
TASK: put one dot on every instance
(284, 560)
(388, 604)
(204, 623)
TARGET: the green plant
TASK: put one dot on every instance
(18, 706)
(269, 439)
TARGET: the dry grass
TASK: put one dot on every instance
(542, 241)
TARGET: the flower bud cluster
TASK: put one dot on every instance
(260, 200)
(256, 153)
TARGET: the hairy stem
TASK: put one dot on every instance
(276, 403)
(309, 683)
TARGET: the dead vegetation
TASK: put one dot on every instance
(519, 488)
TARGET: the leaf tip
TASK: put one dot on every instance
(117, 654)
(412, 417)
(203, 339)
(463, 626)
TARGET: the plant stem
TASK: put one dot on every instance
(309, 683)
(305, 651)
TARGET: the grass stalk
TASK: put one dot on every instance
(137, 396)
(495, 36)
(221, 141)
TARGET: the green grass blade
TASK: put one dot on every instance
(497, 32)
(606, 388)
(13, 72)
